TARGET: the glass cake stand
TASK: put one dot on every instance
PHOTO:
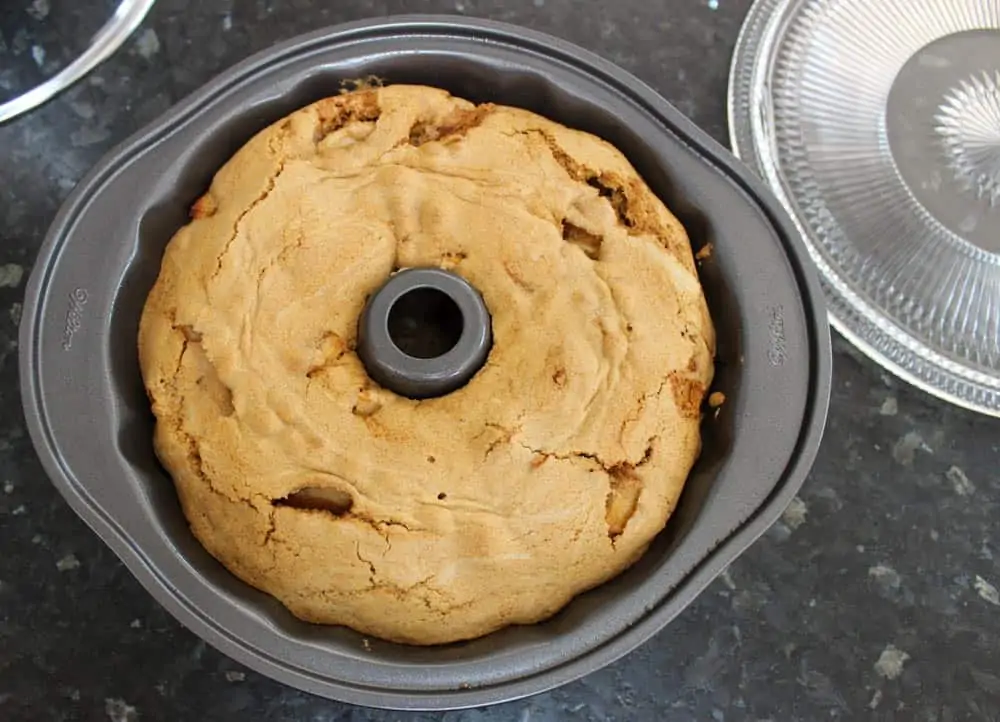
(877, 124)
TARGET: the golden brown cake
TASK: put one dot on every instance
(443, 519)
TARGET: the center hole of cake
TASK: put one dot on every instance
(425, 323)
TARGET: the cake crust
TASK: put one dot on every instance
(430, 521)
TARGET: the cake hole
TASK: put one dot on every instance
(609, 187)
(442, 496)
(589, 243)
(335, 501)
(190, 335)
(425, 323)
(623, 498)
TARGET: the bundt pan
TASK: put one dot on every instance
(91, 423)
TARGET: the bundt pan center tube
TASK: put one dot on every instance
(90, 420)
(425, 333)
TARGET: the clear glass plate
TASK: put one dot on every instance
(878, 126)
(47, 45)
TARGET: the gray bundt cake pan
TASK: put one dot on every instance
(91, 423)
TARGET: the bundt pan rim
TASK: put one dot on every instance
(89, 419)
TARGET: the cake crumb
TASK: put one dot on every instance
(367, 82)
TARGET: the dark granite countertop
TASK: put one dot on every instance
(874, 598)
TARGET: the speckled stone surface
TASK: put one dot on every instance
(874, 599)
